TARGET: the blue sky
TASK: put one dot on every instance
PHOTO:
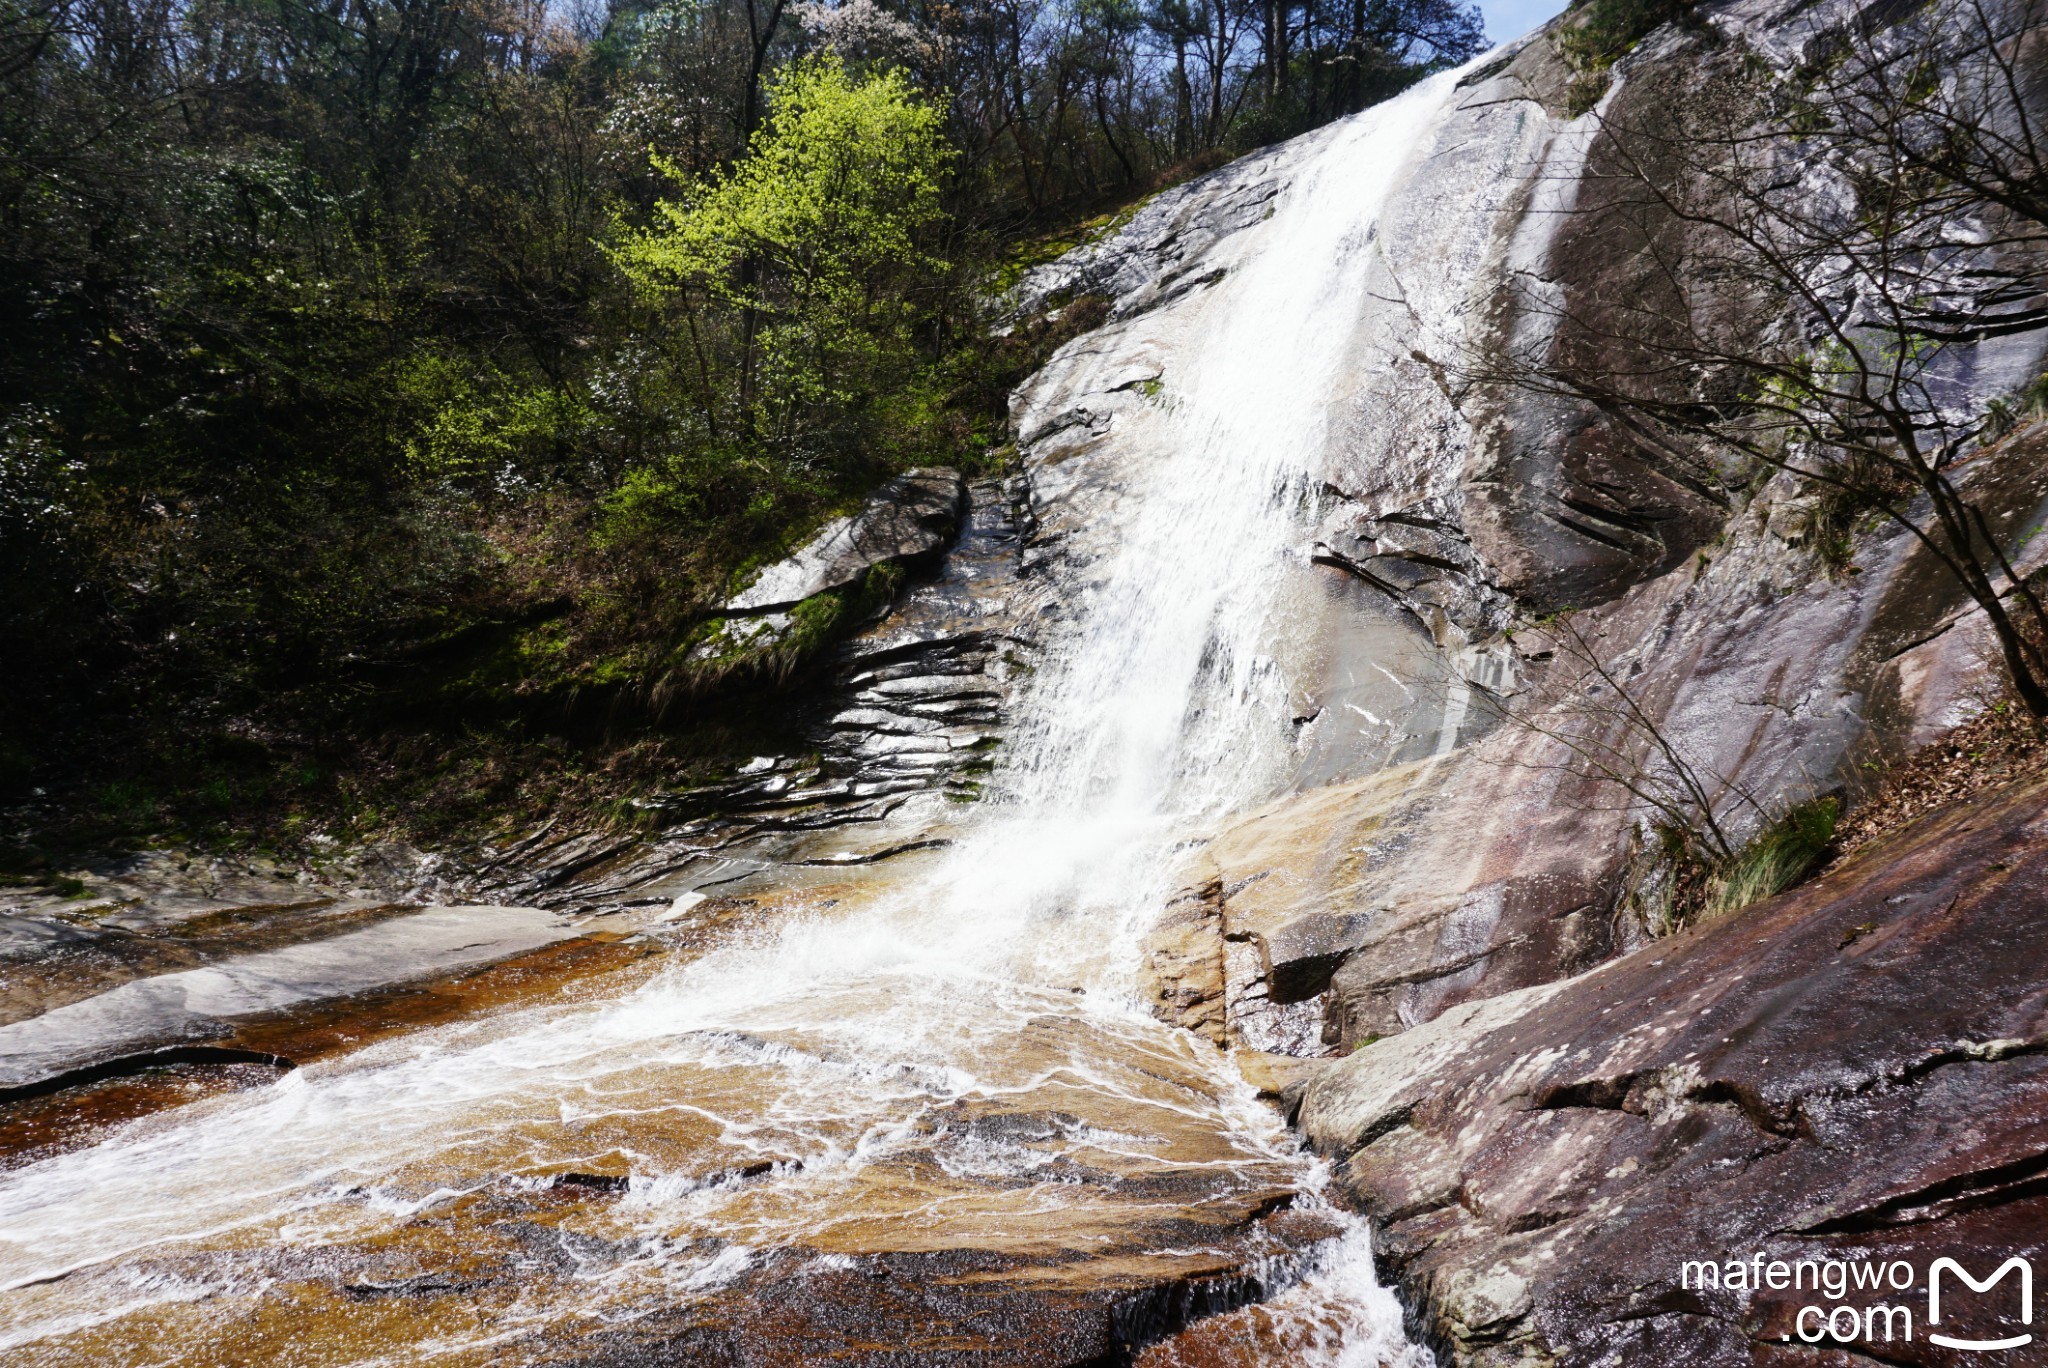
(1507, 19)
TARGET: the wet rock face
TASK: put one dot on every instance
(1186, 965)
(1169, 249)
(892, 732)
(1567, 505)
(1368, 907)
(1096, 423)
(1362, 909)
(1419, 557)
(939, 1308)
(1453, 864)
(1854, 1071)
(1570, 506)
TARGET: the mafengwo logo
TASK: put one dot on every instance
(1863, 1302)
(2012, 1265)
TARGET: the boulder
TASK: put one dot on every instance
(912, 518)
(1856, 1071)
(1185, 973)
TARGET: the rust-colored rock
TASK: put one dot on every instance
(1856, 1070)
(1183, 975)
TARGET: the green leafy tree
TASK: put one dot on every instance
(799, 266)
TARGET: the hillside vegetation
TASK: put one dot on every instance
(388, 387)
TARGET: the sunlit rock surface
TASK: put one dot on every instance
(124, 919)
(1442, 879)
(1447, 863)
(911, 518)
(124, 1023)
(1856, 1070)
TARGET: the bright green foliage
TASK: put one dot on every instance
(476, 421)
(813, 245)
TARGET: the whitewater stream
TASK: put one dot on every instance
(943, 1077)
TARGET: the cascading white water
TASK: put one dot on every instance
(999, 976)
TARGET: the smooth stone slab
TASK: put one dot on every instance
(914, 515)
(187, 1005)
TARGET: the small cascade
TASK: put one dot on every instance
(943, 1076)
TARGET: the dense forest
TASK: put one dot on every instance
(387, 387)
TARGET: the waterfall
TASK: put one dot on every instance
(857, 1048)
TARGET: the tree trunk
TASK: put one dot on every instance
(1275, 39)
(1102, 122)
(1214, 133)
(1184, 100)
(761, 38)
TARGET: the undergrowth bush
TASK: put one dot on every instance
(1599, 33)
(1688, 886)
(1774, 860)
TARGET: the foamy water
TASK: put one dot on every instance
(859, 1048)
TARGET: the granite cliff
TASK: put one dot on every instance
(1544, 1096)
